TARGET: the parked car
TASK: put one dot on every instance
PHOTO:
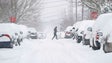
(88, 33)
(15, 31)
(68, 32)
(101, 34)
(107, 46)
(32, 33)
(10, 29)
(82, 27)
(41, 35)
(87, 36)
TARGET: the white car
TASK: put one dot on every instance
(82, 27)
(32, 33)
(68, 32)
(101, 34)
(88, 33)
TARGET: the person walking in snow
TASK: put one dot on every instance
(55, 33)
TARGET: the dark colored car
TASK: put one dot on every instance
(5, 41)
(33, 35)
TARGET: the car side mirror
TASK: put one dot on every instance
(89, 29)
(100, 33)
(82, 32)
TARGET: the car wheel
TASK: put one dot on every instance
(98, 44)
(107, 47)
(93, 47)
(79, 39)
(104, 48)
(96, 47)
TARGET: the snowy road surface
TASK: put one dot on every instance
(53, 51)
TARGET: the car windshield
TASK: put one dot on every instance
(4, 38)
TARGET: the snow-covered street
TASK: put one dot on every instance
(81, 29)
(53, 51)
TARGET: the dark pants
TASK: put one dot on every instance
(55, 36)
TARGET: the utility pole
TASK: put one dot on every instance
(82, 11)
(76, 9)
(71, 10)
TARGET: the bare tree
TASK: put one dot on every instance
(20, 9)
(101, 6)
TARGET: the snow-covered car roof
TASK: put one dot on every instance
(82, 25)
(103, 23)
(9, 28)
(32, 29)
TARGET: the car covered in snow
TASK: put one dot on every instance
(88, 32)
(102, 33)
(9, 29)
(81, 27)
(68, 32)
(32, 33)
(21, 32)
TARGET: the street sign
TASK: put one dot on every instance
(12, 19)
(94, 15)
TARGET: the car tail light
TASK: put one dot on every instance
(97, 37)
(67, 32)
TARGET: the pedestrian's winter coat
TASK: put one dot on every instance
(55, 33)
(55, 30)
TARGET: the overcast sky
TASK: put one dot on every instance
(52, 10)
